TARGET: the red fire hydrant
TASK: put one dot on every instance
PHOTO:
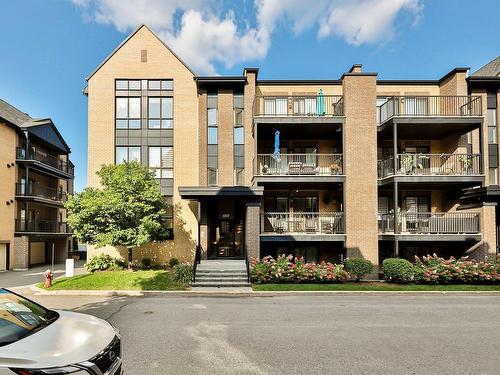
(48, 278)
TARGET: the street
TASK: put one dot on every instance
(302, 335)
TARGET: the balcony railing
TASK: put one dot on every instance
(431, 165)
(45, 158)
(41, 191)
(430, 106)
(299, 105)
(299, 165)
(41, 226)
(303, 222)
(431, 223)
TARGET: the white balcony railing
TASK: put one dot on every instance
(299, 164)
(303, 222)
(431, 223)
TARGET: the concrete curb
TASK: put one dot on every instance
(228, 293)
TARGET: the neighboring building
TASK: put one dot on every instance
(36, 175)
(366, 167)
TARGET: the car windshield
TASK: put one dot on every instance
(20, 317)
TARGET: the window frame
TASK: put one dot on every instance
(161, 119)
(128, 119)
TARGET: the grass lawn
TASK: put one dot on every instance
(373, 286)
(119, 280)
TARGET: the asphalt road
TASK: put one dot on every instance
(302, 335)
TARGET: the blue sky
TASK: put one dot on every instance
(53, 44)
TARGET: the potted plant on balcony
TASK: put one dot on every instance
(410, 163)
(466, 162)
(335, 168)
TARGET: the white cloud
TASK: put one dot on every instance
(203, 35)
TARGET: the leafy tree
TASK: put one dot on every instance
(127, 211)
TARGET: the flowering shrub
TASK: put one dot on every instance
(436, 270)
(289, 269)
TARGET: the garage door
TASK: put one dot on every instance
(3, 257)
(37, 253)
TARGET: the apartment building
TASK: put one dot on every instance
(324, 169)
(36, 175)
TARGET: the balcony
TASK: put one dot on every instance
(40, 192)
(304, 108)
(42, 227)
(302, 226)
(430, 106)
(434, 225)
(432, 167)
(46, 161)
(299, 168)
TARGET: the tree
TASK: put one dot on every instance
(127, 211)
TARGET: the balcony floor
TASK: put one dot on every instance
(290, 237)
(425, 237)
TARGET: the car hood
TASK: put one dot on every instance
(72, 338)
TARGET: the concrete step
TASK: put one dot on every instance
(220, 284)
(221, 273)
(222, 279)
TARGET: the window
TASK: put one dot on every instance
(212, 140)
(276, 106)
(493, 176)
(161, 159)
(492, 137)
(127, 154)
(238, 140)
(170, 217)
(128, 112)
(121, 84)
(166, 84)
(492, 126)
(160, 113)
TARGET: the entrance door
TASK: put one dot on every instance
(226, 229)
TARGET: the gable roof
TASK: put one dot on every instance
(491, 69)
(11, 114)
(125, 42)
(42, 128)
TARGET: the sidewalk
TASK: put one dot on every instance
(11, 279)
(241, 292)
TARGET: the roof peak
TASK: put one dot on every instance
(491, 69)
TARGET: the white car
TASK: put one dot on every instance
(36, 341)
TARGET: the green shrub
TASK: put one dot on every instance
(173, 262)
(398, 270)
(358, 267)
(183, 273)
(103, 262)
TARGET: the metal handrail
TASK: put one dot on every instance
(197, 260)
(298, 105)
(430, 105)
(431, 165)
(432, 223)
(45, 158)
(41, 226)
(299, 164)
(36, 190)
(303, 222)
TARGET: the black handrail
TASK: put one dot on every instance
(247, 262)
(197, 259)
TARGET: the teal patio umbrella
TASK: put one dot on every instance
(320, 103)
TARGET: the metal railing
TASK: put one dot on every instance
(299, 164)
(41, 226)
(431, 223)
(298, 105)
(417, 106)
(431, 165)
(37, 190)
(45, 158)
(303, 222)
(197, 260)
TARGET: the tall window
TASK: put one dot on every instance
(160, 113)
(128, 112)
(212, 137)
(238, 140)
(492, 138)
(127, 154)
(161, 159)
